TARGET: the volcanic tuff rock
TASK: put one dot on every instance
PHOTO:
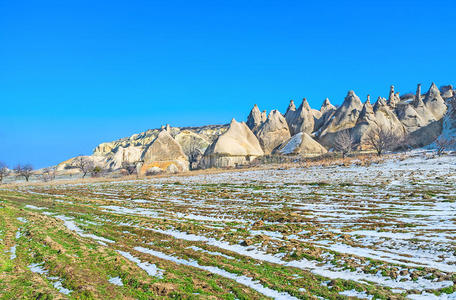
(191, 142)
(238, 145)
(380, 116)
(447, 91)
(255, 119)
(345, 117)
(417, 116)
(163, 152)
(301, 119)
(386, 118)
(434, 102)
(273, 132)
(393, 98)
(129, 154)
(326, 112)
(302, 144)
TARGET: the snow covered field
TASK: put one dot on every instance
(378, 231)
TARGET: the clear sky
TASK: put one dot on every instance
(74, 74)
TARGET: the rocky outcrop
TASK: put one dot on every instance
(326, 112)
(191, 142)
(364, 124)
(273, 132)
(447, 91)
(131, 154)
(237, 146)
(393, 98)
(418, 117)
(386, 118)
(345, 117)
(164, 152)
(255, 119)
(434, 102)
(421, 125)
(301, 119)
(302, 144)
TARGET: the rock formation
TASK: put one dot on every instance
(326, 112)
(345, 117)
(255, 119)
(273, 132)
(301, 119)
(393, 98)
(302, 144)
(122, 154)
(447, 91)
(434, 102)
(163, 152)
(418, 117)
(386, 118)
(237, 146)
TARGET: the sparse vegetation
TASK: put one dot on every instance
(24, 171)
(84, 165)
(442, 144)
(284, 229)
(344, 142)
(382, 139)
(4, 171)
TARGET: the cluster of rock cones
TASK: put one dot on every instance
(301, 131)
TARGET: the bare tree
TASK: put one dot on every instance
(344, 142)
(4, 171)
(24, 171)
(84, 165)
(382, 139)
(442, 144)
(48, 174)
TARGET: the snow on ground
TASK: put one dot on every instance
(399, 213)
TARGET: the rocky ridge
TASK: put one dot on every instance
(300, 131)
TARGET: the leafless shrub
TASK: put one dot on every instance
(344, 142)
(130, 167)
(153, 171)
(97, 171)
(442, 144)
(24, 171)
(84, 165)
(48, 174)
(4, 171)
(382, 139)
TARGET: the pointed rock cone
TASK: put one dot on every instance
(302, 144)
(434, 102)
(381, 102)
(304, 105)
(301, 119)
(273, 132)
(254, 120)
(345, 117)
(238, 145)
(367, 113)
(368, 100)
(326, 106)
(291, 106)
(163, 152)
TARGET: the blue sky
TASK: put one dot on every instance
(74, 74)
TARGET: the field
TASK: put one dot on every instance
(386, 230)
